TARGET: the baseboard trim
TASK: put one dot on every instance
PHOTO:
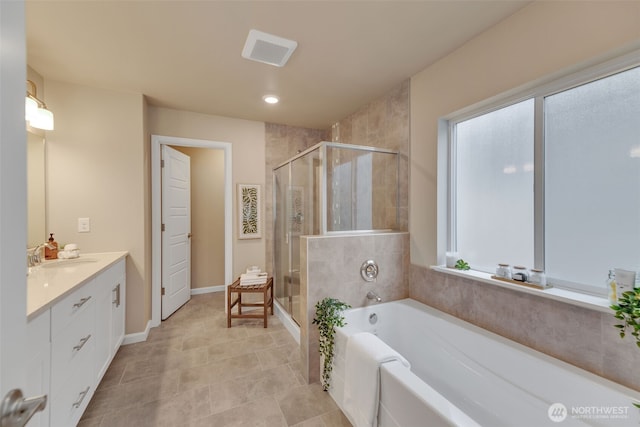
(138, 336)
(208, 289)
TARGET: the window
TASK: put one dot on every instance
(551, 182)
(494, 187)
(592, 176)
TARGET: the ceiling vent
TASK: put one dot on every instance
(267, 48)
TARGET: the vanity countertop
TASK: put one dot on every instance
(52, 280)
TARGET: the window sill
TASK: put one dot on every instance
(563, 295)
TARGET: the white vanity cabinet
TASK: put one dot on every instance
(73, 339)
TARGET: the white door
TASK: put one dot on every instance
(13, 200)
(176, 237)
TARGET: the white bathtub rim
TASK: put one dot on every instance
(633, 395)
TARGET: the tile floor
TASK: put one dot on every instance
(193, 371)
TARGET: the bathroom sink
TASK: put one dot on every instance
(67, 262)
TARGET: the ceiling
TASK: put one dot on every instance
(186, 55)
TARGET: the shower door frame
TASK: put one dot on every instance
(322, 147)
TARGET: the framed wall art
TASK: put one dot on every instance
(249, 202)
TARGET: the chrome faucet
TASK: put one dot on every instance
(373, 295)
(34, 256)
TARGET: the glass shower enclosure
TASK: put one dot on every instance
(328, 189)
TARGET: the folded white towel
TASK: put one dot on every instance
(253, 283)
(250, 276)
(253, 279)
(364, 354)
(68, 254)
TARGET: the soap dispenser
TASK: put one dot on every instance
(51, 250)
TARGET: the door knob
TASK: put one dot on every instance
(16, 411)
(189, 236)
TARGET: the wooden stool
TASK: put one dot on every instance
(265, 289)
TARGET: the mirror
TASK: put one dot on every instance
(36, 228)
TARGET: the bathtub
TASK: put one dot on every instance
(462, 375)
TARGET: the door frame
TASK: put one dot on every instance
(156, 210)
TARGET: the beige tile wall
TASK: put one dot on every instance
(579, 336)
(330, 267)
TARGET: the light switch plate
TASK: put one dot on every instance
(84, 225)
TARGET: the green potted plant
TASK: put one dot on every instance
(628, 311)
(462, 265)
(328, 317)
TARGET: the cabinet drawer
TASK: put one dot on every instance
(73, 305)
(73, 346)
(69, 401)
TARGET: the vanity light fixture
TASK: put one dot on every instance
(271, 99)
(36, 112)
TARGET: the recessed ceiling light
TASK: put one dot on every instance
(270, 99)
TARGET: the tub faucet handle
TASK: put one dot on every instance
(374, 296)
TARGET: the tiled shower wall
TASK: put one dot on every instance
(330, 267)
(579, 336)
